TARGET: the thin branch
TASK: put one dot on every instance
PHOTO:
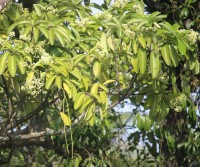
(125, 94)
(14, 138)
(43, 105)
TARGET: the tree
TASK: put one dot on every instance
(186, 13)
(62, 65)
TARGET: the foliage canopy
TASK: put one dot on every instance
(62, 65)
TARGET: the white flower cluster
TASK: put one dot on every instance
(128, 31)
(33, 86)
(137, 9)
(120, 3)
(182, 30)
(38, 49)
(193, 36)
(29, 50)
(51, 10)
(46, 58)
(24, 37)
(178, 102)
(106, 16)
(99, 49)
(83, 23)
(178, 108)
(11, 34)
(24, 64)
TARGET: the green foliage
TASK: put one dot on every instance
(61, 64)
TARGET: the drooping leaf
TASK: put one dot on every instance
(66, 119)
(104, 42)
(49, 81)
(182, 47)
(94, 89)
(173, 55)
(96, 68)
(142, 41)
(67, 90)
(166, 54)
(79, 101)
(142, 60)
(58, 82)
(154, 64)
(134, 47)
(3, 62)
(108, 81)
(12, 65)
(20, 63)
(135, 64)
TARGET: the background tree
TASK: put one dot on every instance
(60, 64)
(186, 14)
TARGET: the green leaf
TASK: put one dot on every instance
(3, 62)
(108, 81)
(96, 97)
(89, 112)
(96, 68)
(79, 101)
(63, 32)
(85, 83)
(36, 33)
(154, 64)
(37, 9)
(17, 24)
(49, 81)
(103, 97)
(103, 87)
(87, 101)
(94, 89)
(60, 37)
(154, 111)
(44, 31)
(51, 36)
(147, 124)
(142, 41)
(84, 47)
(65, 119)
(103, 42)
(76, 74)
(135, 64)
(166, 54)
(181, 47)
(78, 58)
(29, 77)
(111, 43)
(58, 82)
(192, 62)
(173, 55)
(20, 63)
(12, 65)
(140, 121)
(27, 30)
(67, 90)
(16, 86)
(134, 47)
(91, 120)
(197, 67)
(142, 60)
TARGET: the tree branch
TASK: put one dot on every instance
(43, 105)
(17, 139)
(125, 94)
